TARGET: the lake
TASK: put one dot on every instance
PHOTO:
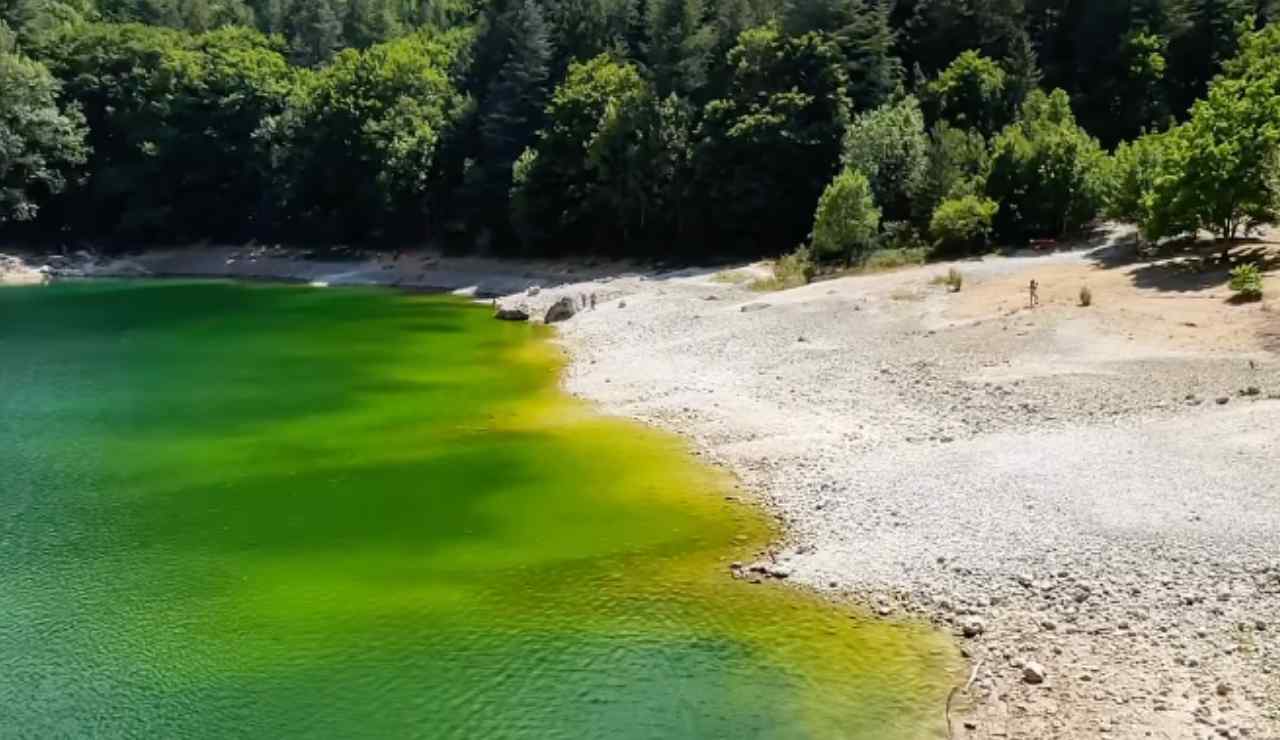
(250, 510)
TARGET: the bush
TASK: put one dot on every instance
(789, 271)
(889, 259)
(1086, 296)
(899, 236)
(1246, 281)
(847, 219)
(963, 224)
(957, 163)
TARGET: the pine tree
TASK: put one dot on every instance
(512, 112)
(867, 42)
(369, 22)
(1197, 54)
(1023, 69)
(197, 16)
(271, 16)
(678, 45)
(316, 34)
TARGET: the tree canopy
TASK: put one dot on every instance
(651, 127)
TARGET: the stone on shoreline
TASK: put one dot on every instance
(562, 310)
(518, 313)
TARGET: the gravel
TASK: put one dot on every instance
(1028, 481)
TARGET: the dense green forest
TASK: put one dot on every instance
(665, 128)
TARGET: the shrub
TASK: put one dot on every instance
(1086, 296)
(957, 161)
(963, 224)
(847, 219)
(889, 259)
(789, 271)
(899, 236)
(1246, 281)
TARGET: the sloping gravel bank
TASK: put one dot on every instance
(1078, 504)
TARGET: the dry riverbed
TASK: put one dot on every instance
(1088, 498)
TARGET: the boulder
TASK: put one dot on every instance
(1033, 672)
(562, 310)
(519, 313)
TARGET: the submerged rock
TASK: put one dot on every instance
(562, 310)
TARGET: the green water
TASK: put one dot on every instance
(233, 510)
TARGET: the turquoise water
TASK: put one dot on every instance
(240, 510)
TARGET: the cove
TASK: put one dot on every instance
(246, 510)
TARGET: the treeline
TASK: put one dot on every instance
(648, 127)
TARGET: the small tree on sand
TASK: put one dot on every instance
(847, 219)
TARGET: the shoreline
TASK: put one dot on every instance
(1145, 595)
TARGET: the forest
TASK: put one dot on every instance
(655, 128)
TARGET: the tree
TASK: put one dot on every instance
(956, 167)
(1211, 173)
(1137, 168)
(889, 147)
(510, 116)
(1022, 69)
(513, 110)
(861, 32)
(847, 219)
(171, 125)
(356, 150)
(316, 33)
(764, 151)
(1047, 174)
(41, 144)
(584, 184)
(369, 22)
(970, 93)
(584, 29)
(679, 41)
(934, 32)
(1208, 38)
(28, 20)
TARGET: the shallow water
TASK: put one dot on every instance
(262, 511)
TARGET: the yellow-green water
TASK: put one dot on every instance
(233, 510)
